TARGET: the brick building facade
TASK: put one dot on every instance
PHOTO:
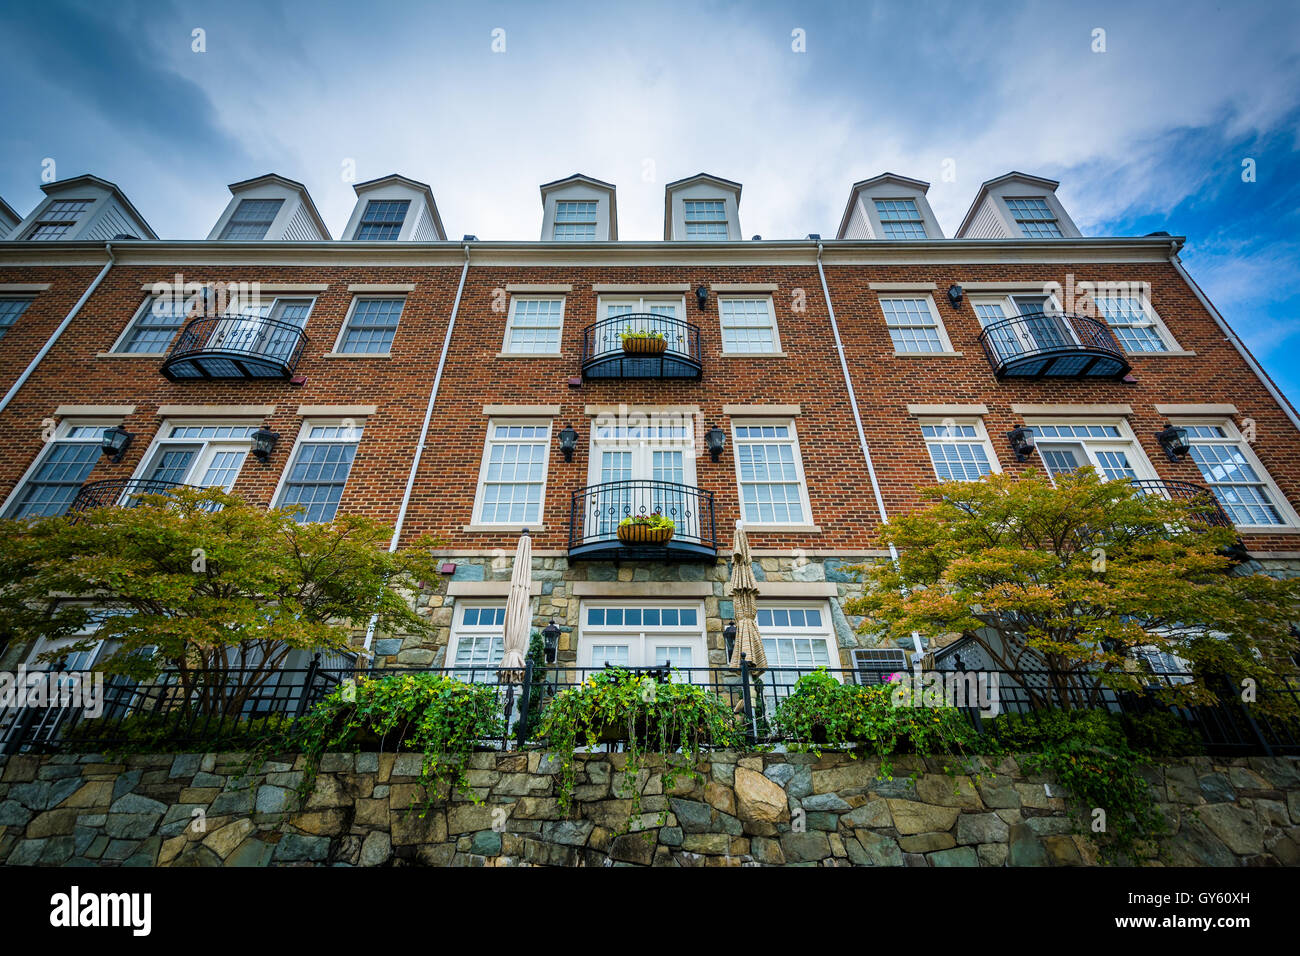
(948, 344)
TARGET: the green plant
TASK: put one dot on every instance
(631, 333)
(537, 689)
(180, 731)
(822, 711)
(677, 720)
(654, 521)
(439, 716)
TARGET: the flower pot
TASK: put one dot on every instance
(644, 345)
(644, 534)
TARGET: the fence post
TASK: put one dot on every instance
(521, 726)
(308, 685)
(750, 733)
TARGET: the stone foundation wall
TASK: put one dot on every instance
(749, 809)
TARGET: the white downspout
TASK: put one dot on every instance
(857, 420)
(424, 433)
(1233, 338)
(54, 336)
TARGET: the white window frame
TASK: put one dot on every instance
(209, 447)
(687, 222)
(61, 433)
(347, 323)
(459, 631)
(945, 344)
(641, 637)
(594, 222)
(1153, 320)
(234, 221)
(357, 423)
(777, 351)
(507, 342)
(119, 345)
(808, 523)
(824, 632)
(480, 490)
(1233, 436)
(981, 438)
(1053, 216)
(918, 221)
(50, 218)
(1127, 442)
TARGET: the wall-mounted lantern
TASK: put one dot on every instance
(115, 442)
(1173, 439)
(702, 297)
(716, 439)
(568, 442)
(1022, 442)
(954, 295)
(729, 635)
(551, 641)
(264, 443)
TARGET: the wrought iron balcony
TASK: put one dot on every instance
(118, 491)
(1053, 345)
(597, 510)
(235, 346)
(671, 351)
(1208, 511)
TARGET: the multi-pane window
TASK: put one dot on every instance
(59, 217)
(1128, 317)
(747, 325)
(958, 452)
(10, 310)
(793, 637)
(913, 324)
(900, 219)
(1245, 494)
(643, 635)
(208, 456)
(575, 220)
(706, 219)
(513, 478)
(534, 326)
(771, 482)
(1105, 448)
(479, 639)
(320, 470)
(62, 469)
(252, 219)
(382, 219)
(1034, 217)
(372, 325)
(155, 324)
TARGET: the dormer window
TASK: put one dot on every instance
(706, 219)
(252, 219)
(575, 221)
(383, 219)
(1034, 217)
(60, 216)
(900, 219)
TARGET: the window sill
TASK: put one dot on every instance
(502, 528)
(1170, 353)
(928, 354)
(752, 355)
(530, 355)
(131, 355)
(358, 355)
(782, 528)
(1260, 531)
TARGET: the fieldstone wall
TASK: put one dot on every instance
(748, 809)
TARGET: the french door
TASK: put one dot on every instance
(642, 469)
(247, 332)
(662, 316)
(1041, 331)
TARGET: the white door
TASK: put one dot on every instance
(644, 635)
(247, 332)
(642, 469)
(667, 313)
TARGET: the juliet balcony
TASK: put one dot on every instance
(596, 532)
(235, 347)
(1053, 345)
(117, 491)
(641, 345)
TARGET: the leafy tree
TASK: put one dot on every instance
(1071, 578)
(201, 582)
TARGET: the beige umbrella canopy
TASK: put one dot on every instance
(744, 594)
(519, 613)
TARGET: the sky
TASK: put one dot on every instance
(1182, 117)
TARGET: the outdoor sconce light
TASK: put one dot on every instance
(1174, 441)
(1022, 442)
(702, 296)
(568, 442)
(954, 295)
(729, 635)
(551, 637)
(263, 443)
(115, 442)
(717, 440)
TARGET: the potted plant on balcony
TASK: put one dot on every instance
(643, 342)
(646, 529)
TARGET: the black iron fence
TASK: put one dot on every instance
(597, 511)
(1053, 344)
(658, 346)
(120, 491)
(236, 346)
(233, 709)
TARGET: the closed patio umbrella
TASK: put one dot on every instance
(744, 594)
(519, 613)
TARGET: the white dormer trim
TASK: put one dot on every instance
(422, 222)
(989, 217)
(108, 213)
(861, 219)
(296, 219)
(701, 186)
(579, 188)
(9, 219)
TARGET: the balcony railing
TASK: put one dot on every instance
(604, 356)
(1208, 511)
(1053, 345)
(235, 346)
(124, 491)
(597, 510)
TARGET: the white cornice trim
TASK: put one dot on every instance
(1055, 409)
(641, 287)
(610, 589)
(903, 286)
(929, 411)
(761, 411)
(626, 409)
(337, 411)
(205, 411)
(382, 287)
(744, 286)
(1224, 409)
(539, 287)
(96, 411)
(487, 588)
(522, 411)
